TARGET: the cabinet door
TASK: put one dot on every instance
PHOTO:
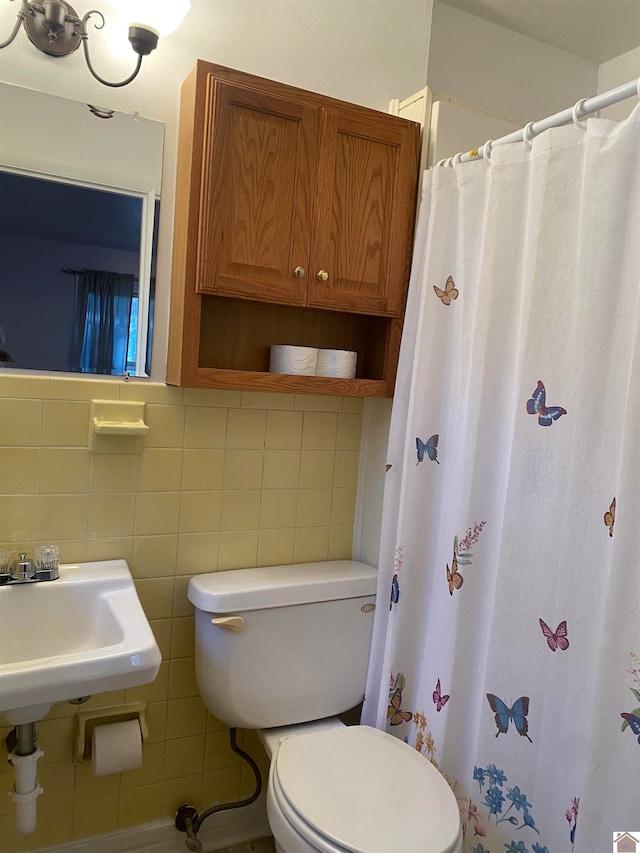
(364, 217)
(256, 195)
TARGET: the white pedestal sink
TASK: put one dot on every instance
(82, 634)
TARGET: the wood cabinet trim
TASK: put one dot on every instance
(182, 353)
(284, 90)
(400, 208)
(266, 249)
(285, 382)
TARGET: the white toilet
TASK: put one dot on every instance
(282, 650)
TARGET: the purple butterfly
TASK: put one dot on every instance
(557, 639)
(536, 405)
(439, 700)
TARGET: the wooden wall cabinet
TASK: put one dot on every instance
(293, 225)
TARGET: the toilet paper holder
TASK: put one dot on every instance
(86, 722)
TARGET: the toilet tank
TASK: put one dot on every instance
(283, 644)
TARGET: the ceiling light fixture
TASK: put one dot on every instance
(54, 28)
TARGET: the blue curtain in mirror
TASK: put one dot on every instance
(101, 321)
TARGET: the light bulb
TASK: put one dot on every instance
(163, 17)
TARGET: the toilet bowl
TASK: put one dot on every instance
(283, 650)
(337, 789)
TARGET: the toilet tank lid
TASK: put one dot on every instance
(281, 586)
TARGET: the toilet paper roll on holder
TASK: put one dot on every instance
(86, 722)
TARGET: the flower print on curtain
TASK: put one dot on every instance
(501, 802)
(521, 353)
(571, 815)
(632, 718)
(462, 556)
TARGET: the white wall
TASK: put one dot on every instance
(455, 128)
(365, 51)
(614, 73)
(371, 471)
(494, 69)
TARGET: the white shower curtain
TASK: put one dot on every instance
(508, 651)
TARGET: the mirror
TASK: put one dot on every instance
(79, 196)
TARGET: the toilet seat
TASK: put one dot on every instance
(361, 790)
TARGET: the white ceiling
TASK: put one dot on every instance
(596, 30)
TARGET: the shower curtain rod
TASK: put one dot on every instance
(583, 108)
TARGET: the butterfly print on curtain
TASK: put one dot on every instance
(557, 639)
(450, 291)
(454, 578)
(517, 714)
(536, 405)
(610, 517)
(398, 559)
(395, 592)
(430, 447)
(395, 715)
(438, 699)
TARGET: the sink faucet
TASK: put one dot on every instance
(25, 570)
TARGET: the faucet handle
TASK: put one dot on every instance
(47, 562)
(5, 573)
(23, 568)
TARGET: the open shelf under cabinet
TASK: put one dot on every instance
(236, 336)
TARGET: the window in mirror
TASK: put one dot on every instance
(73, 258)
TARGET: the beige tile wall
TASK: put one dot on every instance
(227, 479)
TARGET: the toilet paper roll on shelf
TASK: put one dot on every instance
(116, 747)
(338, 363)
(296, 360)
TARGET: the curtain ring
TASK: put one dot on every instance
(456, 159)
(638, 87)
(527, 135)
(442, 162)
(575, 114)
(486, 150)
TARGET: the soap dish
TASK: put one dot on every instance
(116, 419)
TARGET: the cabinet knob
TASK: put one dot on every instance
(322, 275)
(299, 272)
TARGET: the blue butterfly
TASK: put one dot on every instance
(518, 713)
(536, 405)
(634, 722)
(395, 591)
(430, 446)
